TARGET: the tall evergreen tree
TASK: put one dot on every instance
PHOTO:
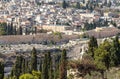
(105, 2)
(45, 68)
(23, 66)
(17, 68)
(33, 59)
(1, 70)
(19, 31)
(27, 67)
(56, 63)
(35, 30)
(7, 29)
(48, 59)
(115, 52)
(56, 71)
(49, 63)
(11, 29)
(63, 63)
(101, 59)
(83, 1)
(109, 4)
(78, 5)
(2, 29)
(40, 65)
(64, 4)
(50, 71)
(92, 45)
(14, 30)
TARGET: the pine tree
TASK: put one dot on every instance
(33, 60)
(1, 70)
(63, 63)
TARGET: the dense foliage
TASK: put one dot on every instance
(1, 70)
(99, 58)
(10, 29)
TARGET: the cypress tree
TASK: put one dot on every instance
(35, 30)
(92, 45)
(33, 59)
(64, 4)
(2, 29)
(45, 68)
(83, 1)
(27, 67)
(19, 31)
(115, 52)
(56, 71)
(7, 30)
(40, 65)
(109, 4)
(63, 63)
(1, 70)
(106, 22)
(14, 30)
(105, 2)
(17, 68)
(11, 29)
(23, 66)
(49, 63)
(50, 71)
(78, 5)
(48, 60)
(26, 31)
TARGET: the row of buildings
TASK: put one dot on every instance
(49, 17)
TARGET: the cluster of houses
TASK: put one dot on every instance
(29, 14)
(52, 17)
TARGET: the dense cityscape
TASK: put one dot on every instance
(59, 39)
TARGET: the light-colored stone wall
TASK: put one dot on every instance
(54, 28)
